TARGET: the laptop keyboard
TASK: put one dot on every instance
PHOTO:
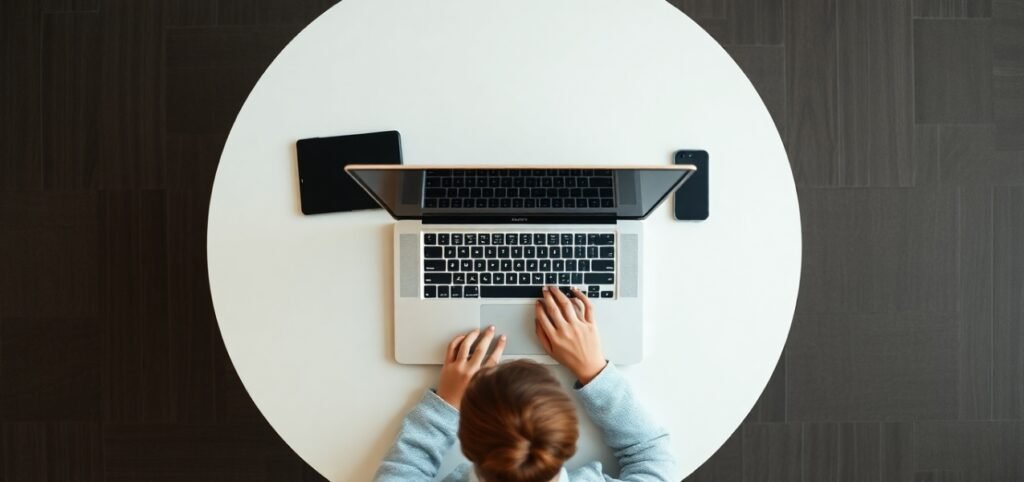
(517, 264)
(518, 188)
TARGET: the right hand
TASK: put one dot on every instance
(567, 331)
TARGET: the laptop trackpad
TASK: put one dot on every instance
(515, 322)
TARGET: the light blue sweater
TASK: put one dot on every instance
(640, 445)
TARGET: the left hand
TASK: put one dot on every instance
(460, 366)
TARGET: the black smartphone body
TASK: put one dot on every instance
(691, 200)
(324, 186)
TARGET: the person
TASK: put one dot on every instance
(515, 422)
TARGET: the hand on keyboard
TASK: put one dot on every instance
(460, 365)
(567, 331)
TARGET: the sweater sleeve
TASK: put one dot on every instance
(639, 444)
(427, 432)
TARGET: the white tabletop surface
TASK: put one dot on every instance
(304, 303)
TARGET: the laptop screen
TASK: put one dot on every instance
(414, 193)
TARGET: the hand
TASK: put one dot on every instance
(460, 366)
(567, 331)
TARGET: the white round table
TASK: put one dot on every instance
(304, 302)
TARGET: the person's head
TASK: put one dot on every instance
(517, 423)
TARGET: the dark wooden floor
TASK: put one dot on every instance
(904, 121)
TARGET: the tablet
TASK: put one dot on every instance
(324, 186)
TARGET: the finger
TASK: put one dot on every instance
(564, 305)
(551, 308)
(467, 343)
(542, 337)
(588, 308)
(541, 317)
(580, 309)
(499, 347)
(453, 347)
(481, 348)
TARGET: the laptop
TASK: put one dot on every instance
(474, 246)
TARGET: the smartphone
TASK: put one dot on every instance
(691, 199)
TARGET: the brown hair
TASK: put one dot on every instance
(517, 423)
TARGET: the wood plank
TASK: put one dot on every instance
(1008, 37)
(926, 155)
(766, 68)
(975, 355)
(71, 77)
(875, 366)
(968, 157)
(771, 452)
(210, 72)
(134, 305)
(69, 6)
(194, 337)
(756, 22)
(897, 451)
(875, 84)
(51, 452)
(270, 12)
(1008, 112)
(843, 452)
(952, 70)
(189, 13)
(941, 476)
(879, 250)
(979, 450)
(812, 136)
(132, 95)
(20, 136)
(952, 8)
(53, 244)
(701, 8)
(1008, 304)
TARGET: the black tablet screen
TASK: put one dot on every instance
(324, 186)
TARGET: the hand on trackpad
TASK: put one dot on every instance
(516, 322)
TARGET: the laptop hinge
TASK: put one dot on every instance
(519, 219)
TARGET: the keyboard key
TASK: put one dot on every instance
(485, 278)
(542, 251)
(511, 279)
(463, 251)
(602, 265)
(490, 252)
(457, 239)
(499, 278)
(471, 291)
(524, 278)
(517, 251)
(598, 278)
(524, 239)
(472, 278)
(545, 265)
(433, 265)
(430, 291)
(579, 239)
(606, 294)
(465, 265)
(510, 291)
(558, 265)
(497, 239)
(503, 252)
(453, 265)
(591, 239)
(429, 238)
(577, 278)
(484, 239)
(531, 265)
(607, 252)
(538, 239)
(449, 251)
(579, 252)
(564, 278)
(511, 239)
(506, 265)
(492, 265)
(605, 239)
(591, 251)
(432, 251)
(566, 239)
(456, 291)
(550, 278)
(471, 239)
(530, 252)
(442, 239)
(537, 278)
(570, 265)
(566, 251)
(476, 252)
(552, 239)
(442, 291)
(437, 278)
(518, 265)
(583, 265)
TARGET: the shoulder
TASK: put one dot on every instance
(462, 473)
(592, 472)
